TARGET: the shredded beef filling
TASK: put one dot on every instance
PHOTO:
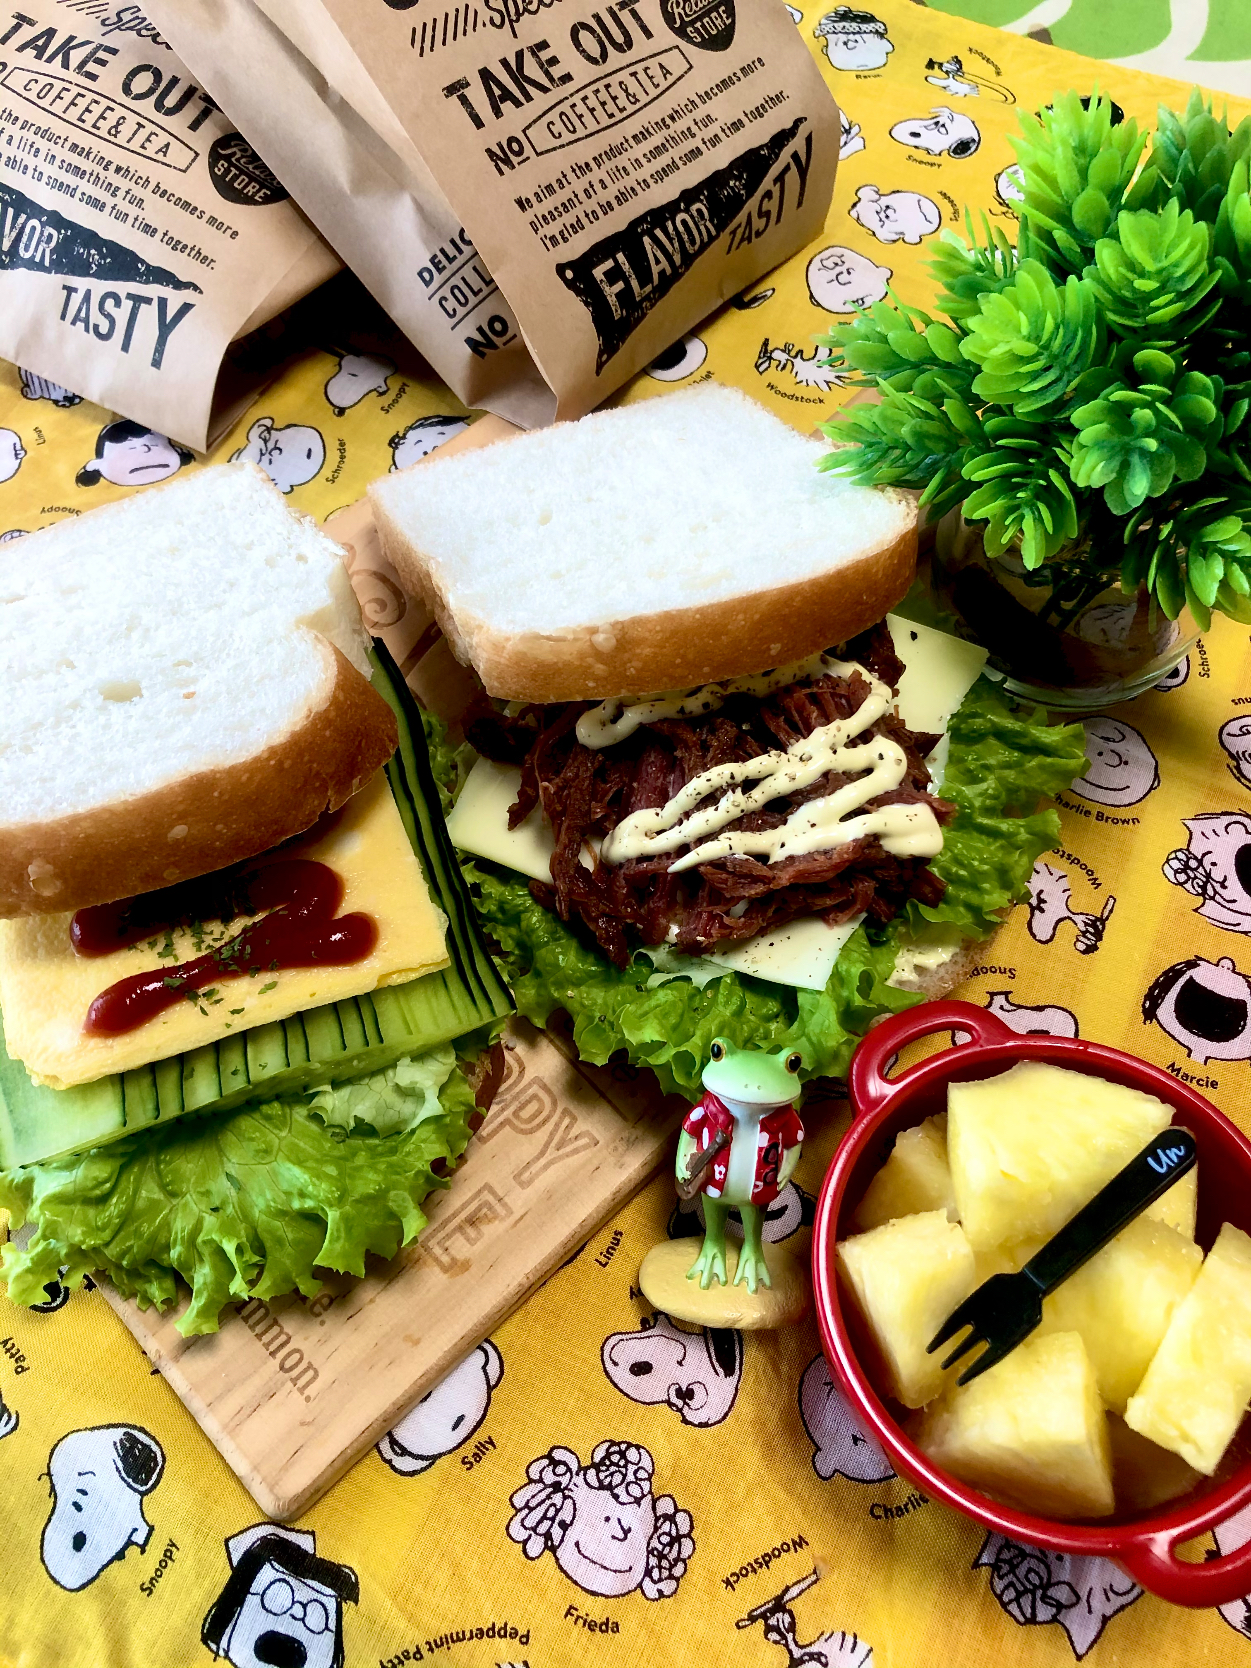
(585, 792)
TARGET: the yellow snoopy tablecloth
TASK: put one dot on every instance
(595, 1484)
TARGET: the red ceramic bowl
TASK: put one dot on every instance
(1142, 1545)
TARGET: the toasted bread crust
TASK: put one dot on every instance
(203, 821)
(675, 649)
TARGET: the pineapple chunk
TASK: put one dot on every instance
(1027, 1149)
(1179, 1207)
(916, 1177)
(1145, 1476)
(1122, 1300)
(906, 1277)
(1031, 1431)
(1196, 1389)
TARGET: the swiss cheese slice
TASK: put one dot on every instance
(46, 989)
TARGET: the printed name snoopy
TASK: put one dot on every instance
(601, 1522)
(445, 1417)
(99, 1479)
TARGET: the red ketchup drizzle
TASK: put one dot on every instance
(300, 930)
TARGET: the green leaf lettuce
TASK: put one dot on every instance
(248, 1203)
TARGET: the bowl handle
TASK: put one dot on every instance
(867, 1082)
(1218, 1581)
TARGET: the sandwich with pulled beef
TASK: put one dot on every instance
(720, 788)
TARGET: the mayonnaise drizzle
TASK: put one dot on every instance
(879, 765)
(614, 720)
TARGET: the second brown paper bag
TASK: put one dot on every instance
(544, 194)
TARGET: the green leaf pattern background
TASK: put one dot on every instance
(1208, 41)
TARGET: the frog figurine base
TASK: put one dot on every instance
(663, 1282)
(738, 1148)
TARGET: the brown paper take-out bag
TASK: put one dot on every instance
(544, 194)
(140, 233)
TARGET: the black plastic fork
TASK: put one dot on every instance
(1005, 1309)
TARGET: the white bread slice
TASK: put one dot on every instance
(646, 548)
(186, 684)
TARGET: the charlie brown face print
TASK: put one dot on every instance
(842, 280)
(1121, 769)
(841, 1445)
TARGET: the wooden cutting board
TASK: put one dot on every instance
(292, 1392)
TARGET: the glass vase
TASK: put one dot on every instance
(1066, 634)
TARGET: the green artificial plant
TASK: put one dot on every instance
(1084, 395)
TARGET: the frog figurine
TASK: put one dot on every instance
(738, 1147)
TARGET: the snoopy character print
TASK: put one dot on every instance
(738, 1148)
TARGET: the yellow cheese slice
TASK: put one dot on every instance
(46, 989)
(801, 954)
(478, 822)
(939, 671)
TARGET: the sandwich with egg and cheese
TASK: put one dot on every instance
(237, 958)
(822, 825)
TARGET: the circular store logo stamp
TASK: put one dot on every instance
(239, 175)
(704, 23)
